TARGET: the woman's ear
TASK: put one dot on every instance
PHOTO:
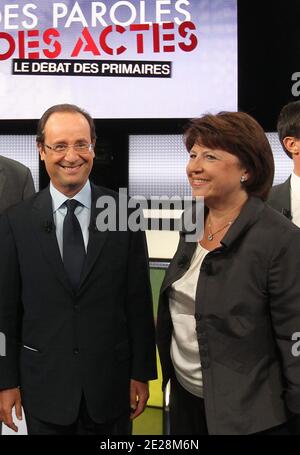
(245, 176)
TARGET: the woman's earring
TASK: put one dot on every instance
(243, 179)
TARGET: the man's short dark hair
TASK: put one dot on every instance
(71, 108)
(289, 123)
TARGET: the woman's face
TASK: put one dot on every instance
(215, 174)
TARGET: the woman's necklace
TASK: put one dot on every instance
(211, 235)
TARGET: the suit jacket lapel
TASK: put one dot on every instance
(280, 198)
(43, 222)
(2, 181)
(96, 238)
(284, 199)
(249, 215)
(180, 265)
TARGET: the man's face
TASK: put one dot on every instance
(70, 170)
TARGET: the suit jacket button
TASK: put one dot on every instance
(76, 351)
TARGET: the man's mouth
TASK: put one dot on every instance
(71, 169)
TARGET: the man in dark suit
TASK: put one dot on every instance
(16, 183)
(286, 197)
(75, 302)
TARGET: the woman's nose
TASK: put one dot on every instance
(195, 165)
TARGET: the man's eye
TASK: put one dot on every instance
(60, 147)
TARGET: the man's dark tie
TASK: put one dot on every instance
(73, 245)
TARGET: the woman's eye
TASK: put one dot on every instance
(210, 157)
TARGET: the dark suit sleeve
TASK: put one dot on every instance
(28, 189)
(10, 307)
(140, 311)
(284, 294)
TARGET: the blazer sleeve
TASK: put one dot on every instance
(10, 307)
(284, 295)
(139, 309)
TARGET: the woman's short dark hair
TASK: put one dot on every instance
(239, 134)
(71, 108)
(288, 123)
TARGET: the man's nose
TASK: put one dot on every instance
(71, 154)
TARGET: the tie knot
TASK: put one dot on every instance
(71, 205)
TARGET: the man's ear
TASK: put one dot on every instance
(292, 144)
(94, 146)
(41, 151)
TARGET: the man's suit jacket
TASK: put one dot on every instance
(61, 344)
(280, 198)
(16, 183)
(247, 309)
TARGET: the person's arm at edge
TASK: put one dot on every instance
(10, 310)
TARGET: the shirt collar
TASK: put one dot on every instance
(295, 186)
(84, 196)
